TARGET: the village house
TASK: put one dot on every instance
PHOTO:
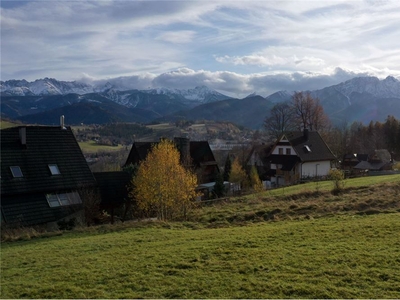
(44, 176)
(378, 160)
(196, 155)
(299, 156)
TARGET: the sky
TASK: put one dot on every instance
(234, 47)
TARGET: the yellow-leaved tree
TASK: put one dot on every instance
(255, 181)
(237, 176)
(162, 185)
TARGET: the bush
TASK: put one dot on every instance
(337, 177)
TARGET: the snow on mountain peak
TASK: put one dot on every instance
(386, 88)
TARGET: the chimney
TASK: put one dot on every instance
(22, 135)
(183, 146)
(305, 134)
(62, 122)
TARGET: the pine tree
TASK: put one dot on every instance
(219, 188)
(227, 168)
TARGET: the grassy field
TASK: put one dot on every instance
(305, 243)
(7, 124)
(93, 147)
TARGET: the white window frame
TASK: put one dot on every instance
(15, 170)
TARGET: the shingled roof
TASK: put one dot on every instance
(44, 146)
(36, 161)
(309, 146)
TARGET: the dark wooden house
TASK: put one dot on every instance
(196, 155)
(113, 188)
(44, 175)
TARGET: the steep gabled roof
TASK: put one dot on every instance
(380, 155)
(309, 146)
(33, 149)
(259, 154)
(139, 152)
(200, 152)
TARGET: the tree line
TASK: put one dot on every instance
(304, 111)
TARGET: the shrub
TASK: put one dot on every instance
(337, 177)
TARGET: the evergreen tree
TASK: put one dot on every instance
(219, 188)
(227, 168)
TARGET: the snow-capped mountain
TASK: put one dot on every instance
(40, 87)
(280, 96)
(114, 90)
(386, 88)
(201, 94)
(362, 99)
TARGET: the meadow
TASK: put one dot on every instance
(304, 243)
(94, 147)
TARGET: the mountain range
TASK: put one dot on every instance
(42, 101)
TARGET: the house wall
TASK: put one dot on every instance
(317, 168)
(283, 147)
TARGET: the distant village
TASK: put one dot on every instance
(46, 180)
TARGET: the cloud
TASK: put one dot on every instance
(178, 37)
(237, 47)
(234, 84)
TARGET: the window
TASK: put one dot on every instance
(54, 170)
(52, 199)
(307, 149)
(288, 151)
(281, 151)
(63, 199)
(16, 172)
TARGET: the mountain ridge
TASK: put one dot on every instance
(361, 99)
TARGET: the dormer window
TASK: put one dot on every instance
(54, 170)
(16, 172)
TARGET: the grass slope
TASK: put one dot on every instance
(93, 147)
(323, 246)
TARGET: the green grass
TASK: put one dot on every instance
(7, 124)
(328, 185)
(304, 244)
(93, 147)
(337, 257)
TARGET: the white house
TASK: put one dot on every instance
(299, 156)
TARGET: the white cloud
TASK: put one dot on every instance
(178, 37)
(235, 46)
